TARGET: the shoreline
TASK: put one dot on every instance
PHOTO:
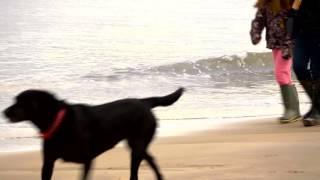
(258, 149)
(167, 128)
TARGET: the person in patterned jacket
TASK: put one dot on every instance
(272, 16)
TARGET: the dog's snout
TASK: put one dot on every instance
(6, 112)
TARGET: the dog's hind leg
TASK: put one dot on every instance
(86, 170)
(153, 165)
(136, 158)
(138, 149)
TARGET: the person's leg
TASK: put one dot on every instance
(313, 117)
(301, 59)
(315, 59)
(282, 70)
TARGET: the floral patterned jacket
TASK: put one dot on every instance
(276, 33)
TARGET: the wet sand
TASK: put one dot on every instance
(252, 150)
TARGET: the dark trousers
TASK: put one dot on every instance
(306, 58)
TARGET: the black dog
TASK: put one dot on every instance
(78, 133)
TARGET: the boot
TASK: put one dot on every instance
(307, 86)
(313, 117)
(291, 104)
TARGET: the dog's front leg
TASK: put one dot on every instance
(86, 170)
(47, 168)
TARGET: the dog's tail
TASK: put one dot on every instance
(165, 100)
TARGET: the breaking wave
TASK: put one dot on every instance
(252, 66)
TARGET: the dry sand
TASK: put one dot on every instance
(253, 150)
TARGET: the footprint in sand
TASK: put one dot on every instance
(295, 172)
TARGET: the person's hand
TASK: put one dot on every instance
(296, 4)
(286, 53)
(255, 39)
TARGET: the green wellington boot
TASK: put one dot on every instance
(291, 104)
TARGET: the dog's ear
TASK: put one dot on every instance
(62, 102)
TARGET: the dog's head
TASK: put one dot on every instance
(33, 105)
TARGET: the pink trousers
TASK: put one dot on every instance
(282, 68)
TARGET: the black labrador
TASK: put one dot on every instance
(79, 133)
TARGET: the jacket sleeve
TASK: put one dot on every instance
(257, 26)
(287, 47)
(291, 24)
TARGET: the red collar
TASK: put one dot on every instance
(55, 125)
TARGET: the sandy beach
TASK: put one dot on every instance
(94, 52)
(259, 149)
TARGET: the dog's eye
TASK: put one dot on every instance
(21, 103)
